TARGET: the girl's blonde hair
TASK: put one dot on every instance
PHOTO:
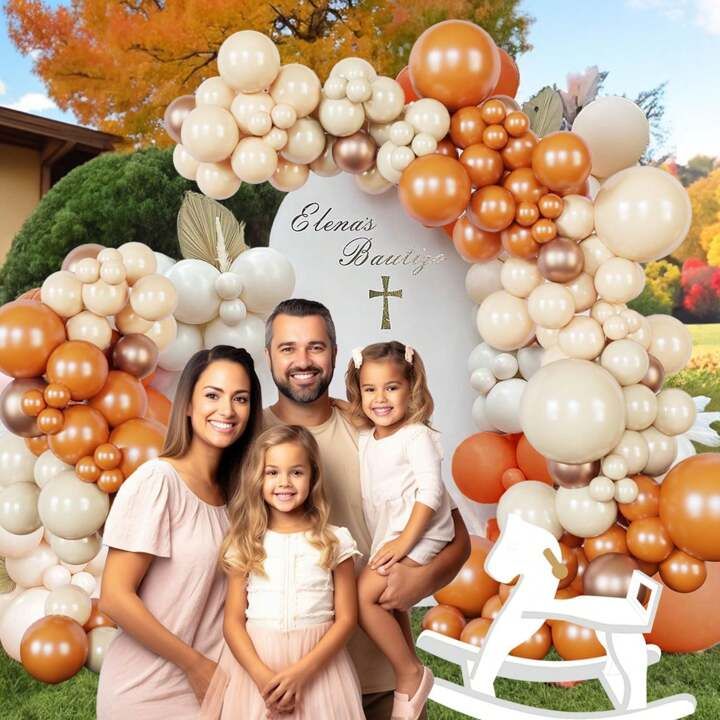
(242, 550)
(421, 406)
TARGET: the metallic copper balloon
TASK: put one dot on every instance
(518, 151)
(518, 242)
(571, 476)
(472, 243)
(444, 619)
(655, 375)
(561, 260)
(54, 648)
(135, 354)
(543, 231)
(466, 126)
(611, 541)
(475, 632)
(495, 137)
(51, 421)
(561, 160)
(526, 214)
(37, 445)
(551, 206)
(175, 113)
(483, 165)
(110, 481)
(646, 504)
(11, 411)
(84, 429)
(535, 647)
(87, 470)
(97, 619)
(649, 540)
(81, 252)
(516, 123)
(524, 186)
(492, 208)
(575, 642)
(682, 572)
(57, 395)
(609, 576)
(355, 153)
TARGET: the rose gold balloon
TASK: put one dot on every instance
(682, 572)
(121, 398)
(355, 153)
(135, 354)
(50, 421)
(535, 647)
(467, 126)
(516, 123)
(139, 440)
(492, 208)
(611, 541)
(495, 137)
(54, 648)
(87, 470)
(97, 619)
(475, 632)
(561, 161)
(526, 214)
(551, 206)
(646, 504)
(81, 252)
(518, 151)
(110, 481)
(444, 619)
(524, 186)
(571, 476)
(543, 231)
(518, 241)
(57, 395)
(483, 165)
(175, 113)
(84, 429)
(13, 412)
(37, 445)
(80, 366)
(648, 540)
(609, 575)
(473, 244)
(655, 375)
(560, 260)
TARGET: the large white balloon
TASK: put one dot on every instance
(18, 508)
(78, 551)
(534, 502)
(502, 405)
(249, 334)
(479, 415)
(671, 342)
(28, 570)
(16, 460)
(70, 601)
(17, 546)
(194, 281)
(248, 61)
(24, 610)
(503, 321)
(187, 342)
(267, 276)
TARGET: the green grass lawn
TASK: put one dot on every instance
(22, 698)
(706, 338)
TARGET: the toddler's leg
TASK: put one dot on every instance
(383, 628)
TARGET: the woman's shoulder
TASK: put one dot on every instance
(157, 471)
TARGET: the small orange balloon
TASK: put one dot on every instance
(50, 421)
(516, 123)
(505, 590)
(611, 541)
(492, 529)
(97, 619)
(543, 231)
(682, 572)
(647, 503)
(37, 445)
(121, 398)
(139, 440)
(483, 165)
(33, 403)
(84, 429)
(524, 186)
(159, 407)
(479, 463)
(565, 594)
(495, 137)
(107, 456)
(574, 642)
(492, 208)
(476, 631)
(536, 647)
(57, 396)
(467, 126)
(473, 244)
(526, 214)
(570, 560)
(648, 540)
(403, 78)
(54, 648)
(531, 462)
(561, 161)
(551, 206)
(518, 151)
(80, 366)
(509, 79)
(519, 242)
(493, 112)
(512, 476)
(110, 481)
(492, 607)
(87, 470)
(444, 619)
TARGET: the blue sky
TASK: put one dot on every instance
(641, 43)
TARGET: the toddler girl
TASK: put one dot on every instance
(291, 603)
(407, 508)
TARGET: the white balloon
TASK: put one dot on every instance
(7, 598)
(483, 380)
(267, 276)
(529, 359)
(24, 610)
(502, 405)
(70, 601)
(194, 281)
(16, 460)
(505, 366)
(28, 570)
(188, 341)
(249, 334)
(228, 286)
(86, 581)
(99, 640)
(97, 564)
(56, 576)
(17, 546)
(482, 356)
(232, 312)
(164, 262)
(479, 416)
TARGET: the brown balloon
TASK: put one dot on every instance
(609, 576)
(611, 541)
(175, 114)
(655, 375)
(97, 619)
(518, 151)
(551, 206)
(80, 366)
(516, 123)
(29, 332)
(12, 413)
(444, 619)
(472, 586)
(472, 243)
(570, 475)
(85, 428)
(682, 572)
(492, 208)
(467, 126)
(435, 189)
(355, 153)
(110, 481)
(135, 354)
(526, 214)
(492, 607)
(57, 396)
(81, 252)
(87, 470)
(575, 642)
(51, 421)
(543, 231)
(483, 165)
(570, 561)
(37, 445)
(561, 260)
(535, 647)
(495, 137)
(524, 186)
(561, 161)
(647, 503)
(121, 398)
(518, 242)
(476, 631)
(139, 440)
(54, 648)
(648, 540)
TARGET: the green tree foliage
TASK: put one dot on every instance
(661, 293)
(705, 200)
(114, 199)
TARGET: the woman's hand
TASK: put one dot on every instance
(199, 675)
(282, 692)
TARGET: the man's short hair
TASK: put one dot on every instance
(299, 307)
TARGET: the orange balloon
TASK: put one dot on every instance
(495, 137)
(512, 476)
(139, 440)
(648, 540)
(159, 407)
(509, 80)
(479, 463)
(682, 572)
(80, 366)
(476, 631)
(455, 62)
(31, 294)
(519, 242)
(447, 147)
(492, 607)
(561, 161)
(403, 77)
(444, 619)
(543, 231)
(434, 189)
(611, 541)
(577, 583)
(483, 165)
(536, 647)
(37, 445)
(97, 619)
(473, 244)
(87, 470)
(647, 503)
(518, 151)
(110, 481)
(492, 208)
(121, 398)
(572, 541)
(467, 126)
(107, 456)
(690, 505)
(29, 332)
(526, 214)
(531, 462)
(524, 186)
(492, 529)
(493, 111)
(85, 428)
(472, 586)
(54, 648)
(574, 642)
(57, 396)
(505, 590)
(516, 123)
(689, 622)
(50, 421)
(570, 560)
(551, 206)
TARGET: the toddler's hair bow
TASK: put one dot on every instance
(357, 356)
(409, 354)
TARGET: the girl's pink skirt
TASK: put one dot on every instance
(334, 691)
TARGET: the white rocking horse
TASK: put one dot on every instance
(532, 553)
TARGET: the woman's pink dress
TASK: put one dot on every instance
(155, 512)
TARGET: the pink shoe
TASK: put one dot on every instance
(410, 708)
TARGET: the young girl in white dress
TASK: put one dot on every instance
(291, 602)
(406, 506)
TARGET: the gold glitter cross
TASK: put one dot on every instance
(385, 293)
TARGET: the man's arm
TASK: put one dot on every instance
(408, 585)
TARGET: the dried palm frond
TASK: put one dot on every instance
(6, 583)
(545, 111)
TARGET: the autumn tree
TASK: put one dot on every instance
(117, 64)
(705, 200)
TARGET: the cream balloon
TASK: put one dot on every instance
(306, 142)
(86, 582)
(529, 359)
(87, 270)
(194, 282)
(28, 570)
(662, 449)
(675, 412)
(582, 338)
(62, 293)
(504, 366)
(139, 260)
(276, 139)
(616, 132)
(551, 305)
(187, 342)
(553, 354)
(502, 405)
(573, 411)
(534, 502)
(113, 273)
(626, 360)
(253, 160)
(429, 116)
(289, 176)
(217, 180)
(423, 144)
(297, 86)
(228, 286)
(483, 279)
(214, 91)
(128, 322)
(47, 466)
(384, 162)
(642, 213)
(401, 133)
(634, 450)
(249, 334)
(547, 337)
(671, 342)
(76, 552)
(386, 101)
(283, 116)
(335, 88)
(70, 601)
(615, 328)
(640, 407)
(325, 165)
(577, 219)
(248, 61)
(614, 466)
(619, 280)
(162, 332)
(56, 576)
(16, 460)
(99, 639)
(582, 288)
(109, 254)
(350, 68)
(358, 90)
(595, 253)
(582, 516)
(503, 321)
(626, 490)
(372, 182)
(17, 546)
(602, 489)
(18, 508)
(520, 277)
(267, 276)
(209, 133)
(104, 299)
(232, 311)
(91, 328)
(248, 105)
(341, 117)
(153, 297)
(23, 611)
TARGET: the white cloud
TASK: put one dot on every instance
(708, 16)
(705, 13)
(33, 102)
(672, 9)
(3, 88)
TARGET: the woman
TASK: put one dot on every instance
(161, 583)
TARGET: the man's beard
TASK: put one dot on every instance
(302, 395)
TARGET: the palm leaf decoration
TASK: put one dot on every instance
(6, 584)
(545, 111)
(208, 231)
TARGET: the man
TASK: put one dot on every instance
(301, 348)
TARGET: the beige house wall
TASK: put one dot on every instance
(19, 191)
